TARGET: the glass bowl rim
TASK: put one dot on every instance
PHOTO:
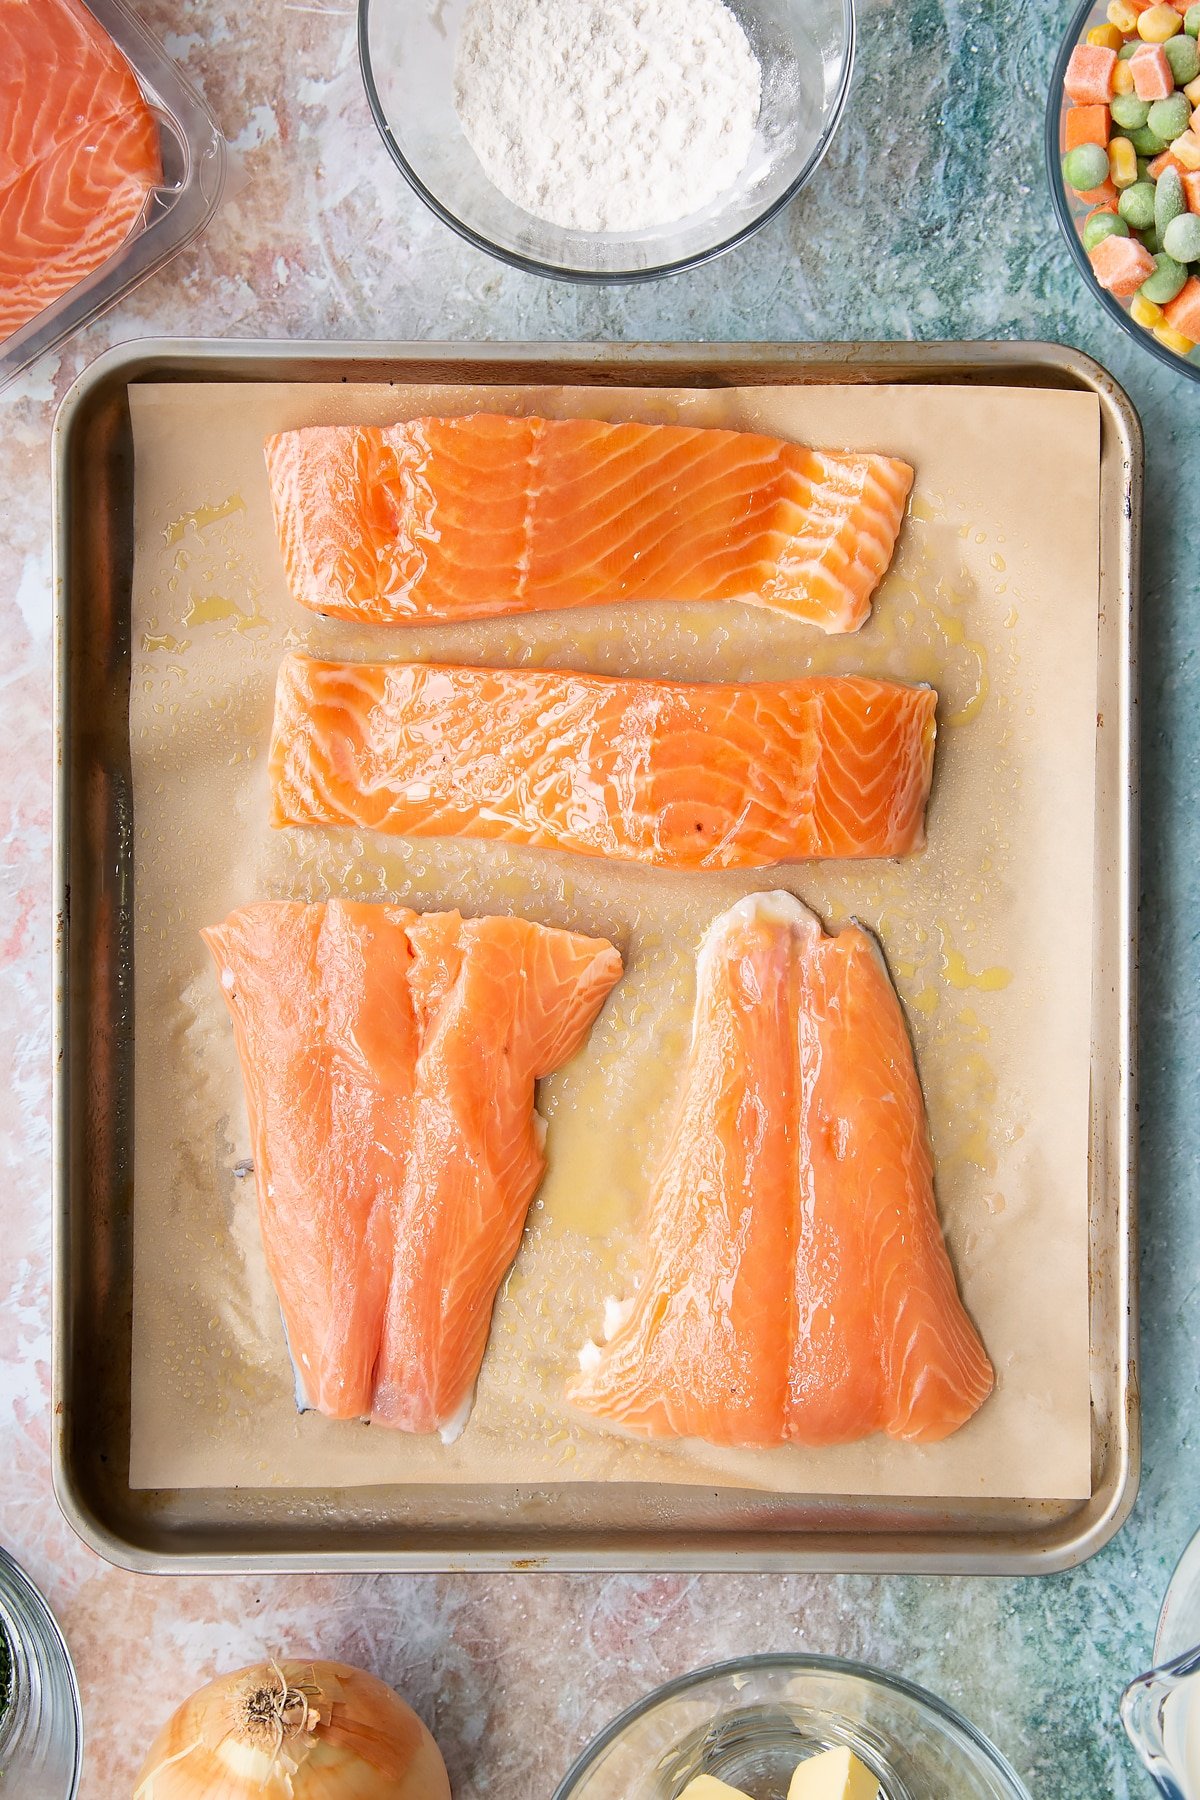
(14, 1576)
(616, 277)
(1056, 105)
(803, 1664)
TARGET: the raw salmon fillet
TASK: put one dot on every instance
(462, 518)
(79, 152)
(798, 1288)
(389, 1060)
(700, 776)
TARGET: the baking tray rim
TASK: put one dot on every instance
(1013, 1551)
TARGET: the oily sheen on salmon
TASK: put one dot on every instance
(389, 1061)
(79, 152)
(462, 518)
(797, 1285)
(679, 775)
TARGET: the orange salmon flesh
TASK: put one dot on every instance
(445, 519)
(79, 153)
(389, 1061)
(682, 776)
(797, 1285)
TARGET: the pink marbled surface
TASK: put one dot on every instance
(320, 238)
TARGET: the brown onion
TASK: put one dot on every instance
(294, 1731)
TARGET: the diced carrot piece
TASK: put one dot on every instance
(1089, 75)
(1191, 190)
(1183, 312)
(1153, 77)
(1104, 195)
(1167, 160)
(1087, 125)
(1121, 264)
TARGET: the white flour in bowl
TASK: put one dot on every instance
(607, 115)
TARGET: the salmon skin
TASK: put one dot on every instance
(683, 776)
(798, 1287)
(444, 519)
(79, 153)
(389, 1060)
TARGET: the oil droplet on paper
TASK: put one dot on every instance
(989, 981)
(201, 517)
(213, 609)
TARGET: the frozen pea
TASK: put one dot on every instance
(1184, 58)
(1149, 240)
(1129, 112)
(1102, 225)
(1166, 281)
(1169, 118)
(1136, 205)
(1143, 169)
(1191, 23)
(1146, 142)
(1085, 167)
(1181, 239)
(1132, 48)
(1169, 200)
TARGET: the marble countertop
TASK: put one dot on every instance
(930, 219)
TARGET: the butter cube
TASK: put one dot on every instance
(833, 1775)
(707, 1787)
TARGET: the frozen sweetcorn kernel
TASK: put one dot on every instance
(1174, 340)
(1157, 24)
(1145, 312)
(1122, 163)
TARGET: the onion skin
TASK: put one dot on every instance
(361, 1741)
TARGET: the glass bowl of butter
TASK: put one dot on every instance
(791, 1728)
(606, 140)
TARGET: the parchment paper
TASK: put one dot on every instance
(993, 597)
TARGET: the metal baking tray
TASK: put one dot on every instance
(516, 1528)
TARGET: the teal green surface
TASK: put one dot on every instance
(930, 219)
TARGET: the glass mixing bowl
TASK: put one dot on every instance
(1161, 1709)
(41, 1728)
(749, 1723)
(1071, 211)
(406, 47)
